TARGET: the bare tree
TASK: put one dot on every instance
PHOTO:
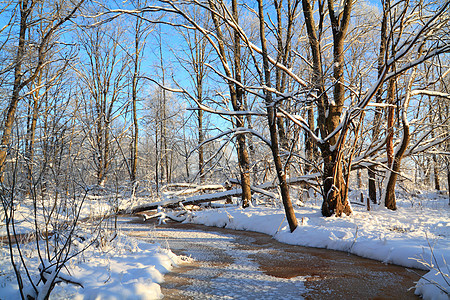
(193, 60)
(21, 78)
(103, 75)
(273, 128)
(140, 31)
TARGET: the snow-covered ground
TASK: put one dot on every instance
(416, 235)
(109, 266)
(125, 268)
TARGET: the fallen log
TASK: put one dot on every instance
(180, 217)
(174, 203)
(188, 189)
(310, 179)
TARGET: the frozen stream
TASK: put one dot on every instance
(246, 265)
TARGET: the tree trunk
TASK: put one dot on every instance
(317, 79)
(236, 95)
(251, 144)
(201, 167)
(135, 135)
(310, 147)
(437, 185)
(238, 103)
(31, 135)
(12, 106)
(201, 170)
(272, 117)
(372, 184)
(448, 180)
(379, 98)
(390, 122)
(389, 199)
(157, 155)
(334, 185)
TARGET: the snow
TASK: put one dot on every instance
(414, 236)
(125, 268)
(405, 237)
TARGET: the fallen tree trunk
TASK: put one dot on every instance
(309, 179)
(174, 203)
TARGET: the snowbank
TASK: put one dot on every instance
(404, 237)
(126, 268)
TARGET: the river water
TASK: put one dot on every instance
(231, 264)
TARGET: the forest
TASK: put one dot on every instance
(113, 108)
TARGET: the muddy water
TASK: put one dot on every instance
(247, 265)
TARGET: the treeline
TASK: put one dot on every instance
(156, 92)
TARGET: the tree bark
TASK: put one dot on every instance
(390, 123)
(329, 112)
(201, 169)
(437, 185)
(389, 199)
(284, 56)
(317, 79)
(272, 120)
(236, 95)
(310, 147)
(134, 88)
(379, 98)
(25, 11)
(31, 134)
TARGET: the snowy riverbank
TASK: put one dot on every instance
(404, 237)
(125, 268)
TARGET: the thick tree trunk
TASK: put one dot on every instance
(244, 166)
(317, 79)
(390, 190)
(335, 188)
(334, 185)
(238, 103)
(390, 201)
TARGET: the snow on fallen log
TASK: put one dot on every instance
(176, 197)
(198, 199)
(163, 216)
(189, 189)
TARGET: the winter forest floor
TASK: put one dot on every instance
(129, 260)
